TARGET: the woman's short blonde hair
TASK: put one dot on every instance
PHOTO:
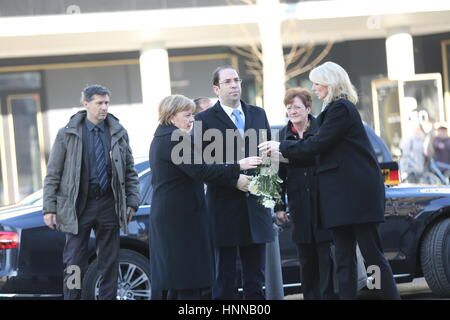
(171, 105)
(333, 76)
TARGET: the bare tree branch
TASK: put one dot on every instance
(298, 60)
(289, 58)
(296, 72)
(296, 56)
(244, 52)
(307, 55)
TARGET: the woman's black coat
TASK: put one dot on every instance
(180, 239)
(351, 187)
(300, 183)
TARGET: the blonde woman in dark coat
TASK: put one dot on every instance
(351, 187)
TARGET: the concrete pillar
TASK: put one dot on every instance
(155, 81)
(400, 54)
(273, 60)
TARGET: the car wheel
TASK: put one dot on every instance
(435, 258)
(133, 282)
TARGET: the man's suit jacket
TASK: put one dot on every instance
(351, 187)
(239, 219)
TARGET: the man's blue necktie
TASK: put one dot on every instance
(102, 174)
(238, 121)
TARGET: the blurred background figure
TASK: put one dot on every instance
(429, 129)
(412, 160)
(441, 148)
(201, 104)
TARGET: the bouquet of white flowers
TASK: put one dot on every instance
(266, 184)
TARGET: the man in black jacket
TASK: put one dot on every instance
(241, 224)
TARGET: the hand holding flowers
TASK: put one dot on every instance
(266, 183)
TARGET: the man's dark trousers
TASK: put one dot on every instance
(253, 259)
(99, 215)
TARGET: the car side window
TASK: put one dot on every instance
(381, 150)
(146, 188)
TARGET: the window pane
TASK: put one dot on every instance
(26, 140)
(22, 80)
(2, 198)
(146, 189)
(425, 93)
(389, 111)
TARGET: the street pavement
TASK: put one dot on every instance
(416, 290)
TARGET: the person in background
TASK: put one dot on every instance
(300, 182)
(413, 159)
(441, 148)
(202, 103)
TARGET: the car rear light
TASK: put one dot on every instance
(394, 177)
(8, 240)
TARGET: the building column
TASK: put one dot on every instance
(400, 54)
(273, 60)
(400, 65)
(155, 81)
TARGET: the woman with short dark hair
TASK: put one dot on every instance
(300, 183)
(180, 247)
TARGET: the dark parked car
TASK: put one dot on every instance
(31, 254)
(415, 236)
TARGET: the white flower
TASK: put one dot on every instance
(268, 203)
(253, 187)
(266, 171)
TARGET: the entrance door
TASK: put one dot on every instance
(398, 106)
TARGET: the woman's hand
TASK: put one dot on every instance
(278, 157)
(243, 182)
(282, 217)
(269, 147)
(250, 163)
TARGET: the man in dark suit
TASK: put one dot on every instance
(241, 225)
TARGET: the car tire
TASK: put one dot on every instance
(134, 278)
(435, 258)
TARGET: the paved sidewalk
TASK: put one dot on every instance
(416, 289)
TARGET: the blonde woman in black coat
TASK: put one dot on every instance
(351, 187)
(180, 246)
